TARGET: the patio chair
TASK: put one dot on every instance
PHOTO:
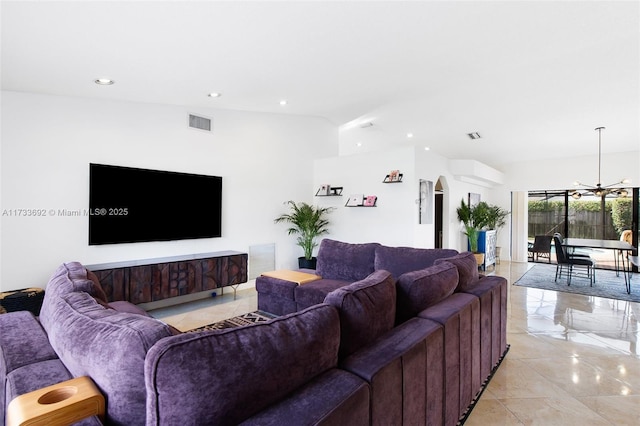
(541, 247)
(573, 266)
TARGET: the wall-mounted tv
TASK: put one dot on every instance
(128, 205)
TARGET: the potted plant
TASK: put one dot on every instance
(308, 222)
(496, 219)
(473, 218)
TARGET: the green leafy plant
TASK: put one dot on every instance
(474, 218)
(308, 222)
(496, 217)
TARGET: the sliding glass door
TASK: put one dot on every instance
(590, 216)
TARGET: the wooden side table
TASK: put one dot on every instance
(57, 405)
(293, 276)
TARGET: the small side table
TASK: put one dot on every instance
(293, 276)
(58, 405)
(26, 299)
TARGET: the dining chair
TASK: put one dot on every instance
(574, 255)
(573, 266)
(541, 247)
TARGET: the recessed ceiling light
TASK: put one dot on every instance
(426, 148)
(359, 144)
(104, 81)
(283, 102)
(409, 135)
(214, 95)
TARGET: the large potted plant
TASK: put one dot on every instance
(496, 219)
(473, 218)
(308, 222)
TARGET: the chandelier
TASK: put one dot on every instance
(599, 190)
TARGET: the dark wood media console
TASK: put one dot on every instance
(150, 280)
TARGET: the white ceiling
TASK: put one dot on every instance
(533, 78)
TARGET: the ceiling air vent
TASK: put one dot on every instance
(200, 123)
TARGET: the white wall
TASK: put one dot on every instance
(394, 221)
(49, 141)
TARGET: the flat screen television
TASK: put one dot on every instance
(128, 205)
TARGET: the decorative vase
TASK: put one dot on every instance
(304, 263)
(479, 258)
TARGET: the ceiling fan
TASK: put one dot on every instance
(599, 190)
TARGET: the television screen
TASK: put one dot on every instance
(129, 205)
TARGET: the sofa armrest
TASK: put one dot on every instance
(60, 404)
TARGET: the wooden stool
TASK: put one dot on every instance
(293, 276)
(57, 405)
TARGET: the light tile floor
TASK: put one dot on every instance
(573, 359)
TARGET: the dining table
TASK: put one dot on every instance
(617, 246)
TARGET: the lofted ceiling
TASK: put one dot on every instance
(533, 78)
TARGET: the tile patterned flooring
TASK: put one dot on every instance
(574, 360)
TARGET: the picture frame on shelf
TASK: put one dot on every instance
(370, 201)
(355, 200)
(394, 176)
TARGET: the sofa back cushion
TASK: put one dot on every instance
(345, 261)
(467, 269)
(367, 310)
(226, 376)
(399, 260)
(67, 278)
(107, 345)
(417, 290)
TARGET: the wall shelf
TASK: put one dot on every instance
(358, 200)
(393, 178)
(334, 191)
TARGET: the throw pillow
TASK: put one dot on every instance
(467, 269)
(417, 290)
(367, 310)
(98, 291)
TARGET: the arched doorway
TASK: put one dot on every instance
(439, 212)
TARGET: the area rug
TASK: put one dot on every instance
(239, 321)
(607, 285)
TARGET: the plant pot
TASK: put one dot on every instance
(479, 258)
(304, 263)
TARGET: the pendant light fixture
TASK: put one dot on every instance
(599, 190)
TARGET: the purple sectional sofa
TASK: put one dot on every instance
(438, 292)
(389, 342)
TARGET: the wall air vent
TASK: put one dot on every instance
(200, 123)
(474, 135)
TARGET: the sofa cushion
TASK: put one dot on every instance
(399, 260)
(367, 310)
(226, 376)
(345, 261)
(467, 269)
(108, 346)
(69, 277)
(417, 290)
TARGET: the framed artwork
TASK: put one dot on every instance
(355, 200)
(425, 202)
(474, 199)
(370, 200)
